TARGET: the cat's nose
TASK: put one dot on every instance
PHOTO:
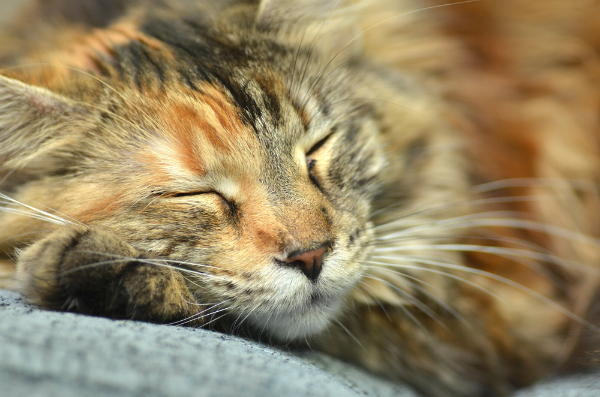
(310, 262)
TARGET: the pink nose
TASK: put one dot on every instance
(308, 261)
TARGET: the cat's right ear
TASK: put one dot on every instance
(276, 9)
(36, 123)
(330, 25)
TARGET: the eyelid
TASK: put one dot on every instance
(187, 194)
(183, 194)
(321, 142)
(230, 204)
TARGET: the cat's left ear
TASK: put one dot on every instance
(330, 25)
(36, 123)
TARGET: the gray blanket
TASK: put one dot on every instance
(62, 354)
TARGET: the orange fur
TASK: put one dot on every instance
(451, 192)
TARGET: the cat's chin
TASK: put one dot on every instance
(299, 324)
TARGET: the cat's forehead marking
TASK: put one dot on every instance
(200, 133)
(86, 51)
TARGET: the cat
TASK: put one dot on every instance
(408, 186)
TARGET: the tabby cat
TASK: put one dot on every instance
(407, 185)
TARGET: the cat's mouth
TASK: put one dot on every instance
(287, 304)
(296, 307)
(305, 320)
(315, 299)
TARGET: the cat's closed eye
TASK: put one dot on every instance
(312, 157)
(320, 143)
(209, 193)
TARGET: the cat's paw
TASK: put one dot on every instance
(68, 263)
(92, 271)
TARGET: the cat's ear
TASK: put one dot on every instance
(35, 123)
(269, 9)
(329, 25)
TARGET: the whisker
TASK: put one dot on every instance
(218, 318)
(420, 305)
(537, 182)
(31, 215)
(16, 236)
(402, 307)
(364, 296)
(149, 260)
(476, 220)
(384, 265)
(437, 300)
(338, 322)
(237, 325)
(490, 187)
(200, 314)
(195, 317)
(188, 263)
(489, 275)
(49, 216)
(411, 218)
(146, 261)
(531, 264)
(498, 251)
(265, 325)
(188, 278)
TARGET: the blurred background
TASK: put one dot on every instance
(8, 8)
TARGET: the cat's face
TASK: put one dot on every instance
(257, 174)
(272, 214)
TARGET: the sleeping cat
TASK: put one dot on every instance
(407, 186)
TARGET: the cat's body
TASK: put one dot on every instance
(254, 168)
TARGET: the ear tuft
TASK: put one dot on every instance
(44, 102)
(33, 121)
(18, 95)
(277, 9)
(330, 24)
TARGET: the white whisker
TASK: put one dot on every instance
(48, 216)
(237, 325)
(489, 219)
(420, 305)
(146, 261)
(338, 322)
(200, 314)
(436, 299)
(498, 251)
(31, 215)
(218, 318)
(560, 184)
(489, 275)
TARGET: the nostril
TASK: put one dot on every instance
(309, 262)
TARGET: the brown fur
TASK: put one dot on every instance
(446, 160)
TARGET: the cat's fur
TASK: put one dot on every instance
(195, 162)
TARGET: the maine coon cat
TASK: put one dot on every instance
(410, 186)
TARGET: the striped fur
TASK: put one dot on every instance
(171, 161)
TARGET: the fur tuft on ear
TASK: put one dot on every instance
(34, 122)
(329, 25)
(270, 9)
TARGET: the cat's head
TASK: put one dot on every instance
(246, 144)
(237, 150)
